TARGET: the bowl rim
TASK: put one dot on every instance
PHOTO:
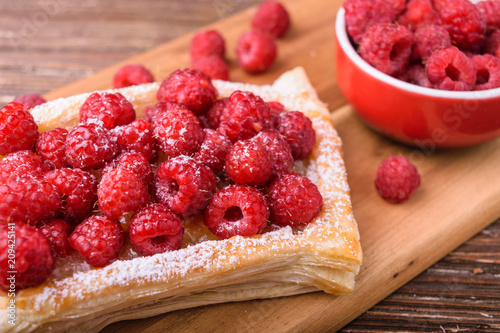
(345, 44)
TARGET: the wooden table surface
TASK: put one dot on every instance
(49, 43)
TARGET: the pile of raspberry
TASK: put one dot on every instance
(114, 177)
(441, 44)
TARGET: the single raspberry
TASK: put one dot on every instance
(214, 67)
(463, 21)
(492, 44)
(112, 109)
(32, 263)
(22, 163)
(218, 110)
(276, 109)
(213, 150)
(89, 146)
(158, 109)
(271, 18)
(256, 51)
(18, 130)
(121, 191)
(184, 185)
(278, 150)
(451, 69)
(133, 162)
(156, 229)
(189, 87)
(28, 199)
(397, 179)
(30, 100)
(361, 14)
(427, 39)
(207, 43)
(416, 74)
(77, 190)
(246, 115)
(178, 132)
(136, 137)
(98, 239)
(237, 210)
(248, 162)
(487, 69)
(131, 75)
(418, 13)
(490, 10)
(57, 233)
(299, 133)
(387, 47)
(50, 146)
(294, 200)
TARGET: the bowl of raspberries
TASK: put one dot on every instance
(422, 72)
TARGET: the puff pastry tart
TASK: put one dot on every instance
(280, 261)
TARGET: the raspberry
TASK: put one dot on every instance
(18, 130)
(463, 21)
(178, 132)
(50, 146)
(418, 13)
(189, 87)
(492, 44)
(133, 162)
(361, 14)
(276, 109)
(33, 260)
(218, 110)
(237, 210)
(159, 109)
(22, 163)
(213, 150)
(28, 199)
(112, 109)
(487, 69)
(298, 132)
(278, 150)
(136, 137)
(57, 233)
(387, 47)
(248, 162)
(247, 114)
(271, 18)
(397, 179)
(416, 74)
(121, 191)
(77, 190)
(207, 43)
(490, 10)
(89, 146)
(30, 100)
(131, 75)
(256, 51)
(184, 185)
(156, 229)
(98, 239)
(427, 39)
(294, 200)
(450, 69)
(214, 67)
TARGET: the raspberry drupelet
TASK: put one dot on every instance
(248, 162)
(18, 131)
(131, 75)
(451, 69)
(57, 233)
(256, 51)
(397, 179)
(271, 18)
(112, 109)
(50, 146)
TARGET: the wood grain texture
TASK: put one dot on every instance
(44, 48)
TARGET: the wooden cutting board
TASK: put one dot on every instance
(458, 196)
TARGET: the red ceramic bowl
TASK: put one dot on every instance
(422, 117)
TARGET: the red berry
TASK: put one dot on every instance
(156, 229)
(218, 110)
(451, 69)
(136, 137)
(487, 69)
(271, 18)
(427, 39)
(30, 100)
(490, 10)
(50, 146)
(387, 47)
(492, 44)
(213, 150)
(112, 109)
(131, 75)
(207, 43)
(248, 162)
(121, 191)
(237, 210)
(299, 133)
(418, 13)
(98, 239)
(77, 190)
(160, 108)
(276, 109)
(22, 163)
(18, 130)
(189, 87)
(89, 146)
(294, 200)
(184, 185)
(133, 162)
(278, 150)
(397, 179)
(256, 51)
(33, 262)
(416, 74)
(57, 233)
(214, 67)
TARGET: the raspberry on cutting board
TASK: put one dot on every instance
(397, 179)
